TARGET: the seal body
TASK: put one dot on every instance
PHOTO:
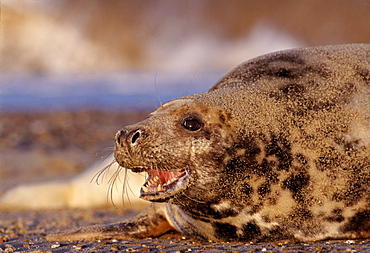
(279, 148)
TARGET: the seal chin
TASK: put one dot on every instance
(162, 184)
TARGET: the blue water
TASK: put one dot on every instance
(110, 91)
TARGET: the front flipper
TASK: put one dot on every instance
(152, 222)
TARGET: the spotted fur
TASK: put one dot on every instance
(279, 148)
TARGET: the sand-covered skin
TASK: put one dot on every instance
(42, 146)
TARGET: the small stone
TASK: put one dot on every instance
(54, 246)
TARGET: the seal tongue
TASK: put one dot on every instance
(161, 180)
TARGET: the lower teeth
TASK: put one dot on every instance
(149, 186)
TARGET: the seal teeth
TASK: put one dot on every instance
(170, 181)
(150, 182)
(159, 182)
(159, 188)
(144, 188)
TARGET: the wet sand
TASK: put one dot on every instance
(42, 146)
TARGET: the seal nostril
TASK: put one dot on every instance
(119, 136)
(135, 137)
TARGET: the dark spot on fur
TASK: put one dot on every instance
(265, 167)
(285, 65)
(204, 110)
(344, 95)
(266, 218)
(295, 183)
(322, 70)
(364, 74)
(347, 145)
(301, 214)
(336, 216)
(272, 200)
(246, 189)
(356, 186)
(280, 147)
(251, 231)
(240, 164)
(359, 222)
(264, 189)
(283, 73)
(207, 134)
(276, 70)
(351, 195)
(237, 166)
(301, 159)
(223, 214)
(295, 71)
(208, 210)
(329, 161)
(224, 231)
(222, 118)
(350, 145)
(293, 89)
(300, 98)
(286, 57)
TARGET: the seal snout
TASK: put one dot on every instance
(128, 137)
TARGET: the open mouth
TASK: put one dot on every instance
(162, 181)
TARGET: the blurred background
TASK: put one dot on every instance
(72, 73)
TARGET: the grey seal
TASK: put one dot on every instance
(279, 148)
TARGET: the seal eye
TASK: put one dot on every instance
(192, 124)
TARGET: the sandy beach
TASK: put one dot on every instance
(24, 231)
(43, 146)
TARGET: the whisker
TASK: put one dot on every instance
(99, 177)
(144, 178)
(156, 88)
(191, 81)
(112, 183)
(107, 150)
(124, 187)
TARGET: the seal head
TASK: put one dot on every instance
(195, 138)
